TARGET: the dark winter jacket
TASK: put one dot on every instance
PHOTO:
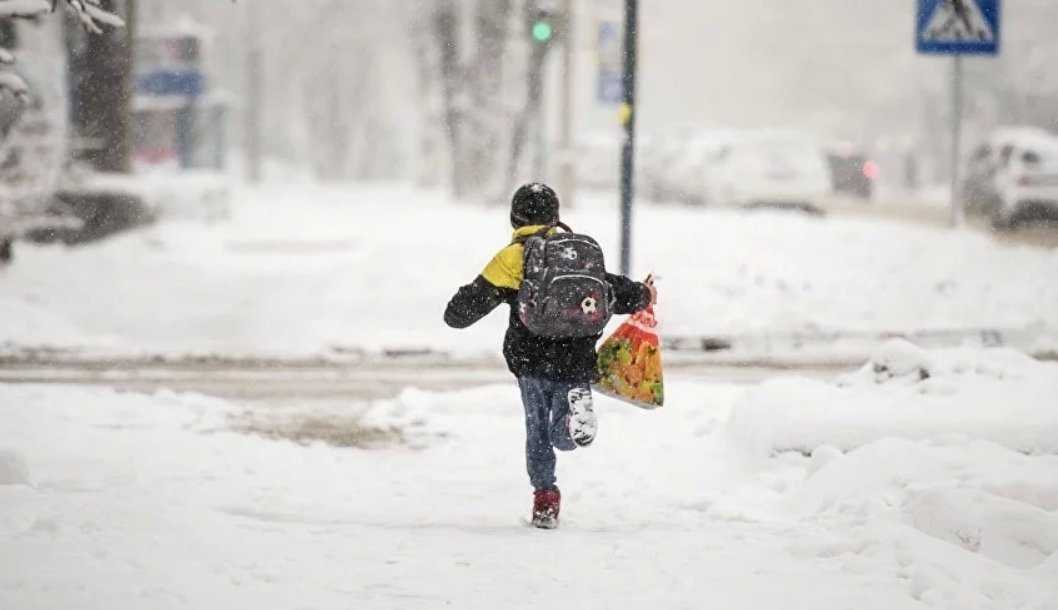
(529, 355)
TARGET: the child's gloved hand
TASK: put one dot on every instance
(649, 283)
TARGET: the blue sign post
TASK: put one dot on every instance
(158, 83)
(957, 28)
(609, 88)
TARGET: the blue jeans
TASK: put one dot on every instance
(546, 407)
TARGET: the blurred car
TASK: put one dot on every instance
(687, 174)
(1013, 175)
(852, 171)
(766, 169)
(20, 222)
(663, 159)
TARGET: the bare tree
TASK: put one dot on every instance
(467, 47)
(91, 14)
(103, 91)
(445, 22)
(32, 141)
(335, 104)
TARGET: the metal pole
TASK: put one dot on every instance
(567, 170)
(538, 97)
(957, 212)
(253, 96)
(540, 144)
(628, 117)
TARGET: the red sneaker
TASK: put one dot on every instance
(546, 504)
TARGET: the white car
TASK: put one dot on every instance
(686, 173)
(773, 169)
(1013, 175)
(665, 158)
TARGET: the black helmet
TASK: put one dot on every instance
(534, 204)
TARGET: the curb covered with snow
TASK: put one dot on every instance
(997, 395)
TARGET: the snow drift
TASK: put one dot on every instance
(998, 395)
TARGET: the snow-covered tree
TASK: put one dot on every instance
(33, 144)
(88, 12)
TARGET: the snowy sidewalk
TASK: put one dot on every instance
(156, 501)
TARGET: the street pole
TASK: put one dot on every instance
(540, 131)
(253, 96)
(567, 169)
(536, 119)
(628, 118)
(957, 212)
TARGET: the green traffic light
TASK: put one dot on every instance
(542, 31)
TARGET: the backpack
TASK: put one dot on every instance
(564, 291)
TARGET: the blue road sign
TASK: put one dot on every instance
(171, 82)
(958, 27)
(611, 88)
(610, 78)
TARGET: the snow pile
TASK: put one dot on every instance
(894, 471)
(13, 469)
(187, 195)
(993, 394)
(942, 513)
(26, 325)
(310, 270)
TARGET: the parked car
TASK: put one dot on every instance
(767, 169)
(664, 157)
(1013, 175)
(79, 216)
(852, 171)
(20, 222)
(687, 174)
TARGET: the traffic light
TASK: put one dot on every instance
(544, 26)
(543, 31)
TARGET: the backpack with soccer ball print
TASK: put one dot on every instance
(564, 291)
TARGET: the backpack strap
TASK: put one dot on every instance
(543, 232)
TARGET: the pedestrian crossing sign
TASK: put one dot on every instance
(958, 27)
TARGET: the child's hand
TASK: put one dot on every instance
(649, 283)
